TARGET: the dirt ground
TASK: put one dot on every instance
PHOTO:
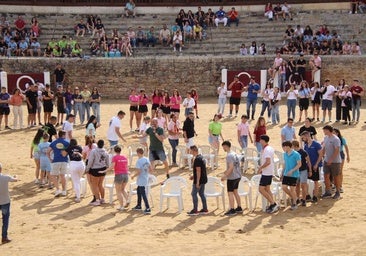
(43, 225)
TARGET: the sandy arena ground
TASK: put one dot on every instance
(43, 225)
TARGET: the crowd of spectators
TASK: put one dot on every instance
(19, 38)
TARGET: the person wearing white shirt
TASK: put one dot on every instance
(274, 105)
(68, 127)
(188, 104)
(328, 91)
(221, 91)
(286, 10)
(291, 101)
(113, 130)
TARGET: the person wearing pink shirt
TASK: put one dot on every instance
(175, 101)
(134, 103)
(142, 109)
(315, 64)
(120, 167)
(16, 101)
(156, 99)
(243, 132)
(276, 64)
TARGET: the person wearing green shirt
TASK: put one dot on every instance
(214, 132)
(62, 43)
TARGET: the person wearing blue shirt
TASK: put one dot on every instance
(292, 163)
(221, 17)
(253, 90)
(59, 162)
(23, 48)
(288, 131)
(144, 167)
(12, 48)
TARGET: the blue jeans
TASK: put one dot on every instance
(113, 143)
(201, 192)
(78, 108)
(275, 111)
(244, 141)
(174, 144)
(68, 108)
(221, 102)
(356, 110)
(96, 111)
(265, 105)
(229, 21)
(5, 210)
(141, 194)
(291, 106)
(258, 145)
(281, 82)
(86, 108)
(251, 102)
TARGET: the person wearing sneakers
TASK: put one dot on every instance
(305, 171)
(199, 178)
(98, 162)
(233, 175)
(5, 203)
(266, 170)
(292, 163)
(332, 161)
(144, 167)
(314, 150)
(236, 87)
(59, 162)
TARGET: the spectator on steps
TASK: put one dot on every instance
(132, 35)
(286, 11)
(35, 47)
(243, 50)
(130, 9)
(197, 32)
(140, 37)
(80, 28)
(35, 30)
(187, 32)
(277, 10)
(221, 17)
(164, 36)
(151, 37)
(90, 23)
(177, 41)
(253, 49)
(233, 16)
(210, 17)
(268, 11)
(98, 29)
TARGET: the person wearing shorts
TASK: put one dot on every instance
(45, 164)
(59, 162)
(4, 107)
(233, 175)
(120, 167)
(31, 99)
(156, 148)
(332, 161)
(304, 170)
(236, 88)
(189, 131)
(290, 175)
(266, 170)
(328, 91)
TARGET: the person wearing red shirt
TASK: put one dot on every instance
(20, 24)
(233, 16)
(357, 92)
(236, 88)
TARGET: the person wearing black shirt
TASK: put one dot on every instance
(47, 97)
(300, 66)
(59, 75)
(199, 178)
(188, 130)
(50, 128)
(31, 99)
(309, 128)
(77, 166)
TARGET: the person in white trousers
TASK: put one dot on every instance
(16, 101)
(76, 167)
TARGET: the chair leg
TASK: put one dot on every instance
(217, 202)
(223, 201)
(264, 204)
(111, 195)
(250, 202)
(161, 204)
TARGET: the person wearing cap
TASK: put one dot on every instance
(266, 170)
(328, 92)
(357, 92)
(68, 126)
(5, 203)
(253, 90)
(236, 87)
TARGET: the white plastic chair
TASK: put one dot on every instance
(109, 185)
(209, 154)
(251, 155)
(245, 190)
(133, 189)
(275, 189)
(173, 188)
(278, 159)
(168, 154)
(184, 156)
(132, 151)
(215, 188)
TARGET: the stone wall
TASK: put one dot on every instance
(116, 76)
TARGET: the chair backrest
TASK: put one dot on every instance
(182, 149)
(205, 149)
(255, 180)
(251, 152)
(213, 185)
(108, 180)
(174, 184)
(236, 149)
(279, 156)
(244, 185)
(132, 147)
(152, 180)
